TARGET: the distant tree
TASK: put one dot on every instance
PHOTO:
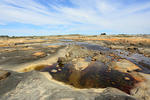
(4, 36)
(103, 33)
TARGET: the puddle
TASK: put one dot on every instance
(59, 44)
(91, 77)
(85, 44)
(66, 40)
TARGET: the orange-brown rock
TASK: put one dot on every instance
(54, 46)
(126, 78)
(124, 66)
(39, 54)
(3, 45)
(137, 76)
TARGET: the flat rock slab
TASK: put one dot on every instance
(35, 86)
(125, 66)
(113, 94)
(4, 74)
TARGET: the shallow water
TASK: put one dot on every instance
(138, 59)
(66, 40)
(98, 76)
(92, 77)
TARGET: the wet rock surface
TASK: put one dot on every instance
(125, 66)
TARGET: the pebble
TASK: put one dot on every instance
(67, 55)
(53, 70)
(127, 78)
(57, 65)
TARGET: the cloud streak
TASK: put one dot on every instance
(77, 16)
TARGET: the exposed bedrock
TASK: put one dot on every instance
(83, 68)
(35, 86)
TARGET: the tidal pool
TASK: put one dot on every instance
(91, 77)
(97, 75)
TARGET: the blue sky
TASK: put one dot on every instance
(53, 17)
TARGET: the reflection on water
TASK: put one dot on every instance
(66, 40)
(91, 77)
(138, 59)
(66, 43)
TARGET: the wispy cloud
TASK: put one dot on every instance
(70, 16)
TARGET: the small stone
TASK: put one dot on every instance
(57, 65)
(4, 74)
(48, 54)
(93, 59)
(67, 55)
(127, 78)
(53, 70)
(39, 54)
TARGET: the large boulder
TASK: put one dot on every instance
(78, 51)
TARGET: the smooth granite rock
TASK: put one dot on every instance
(35, 86)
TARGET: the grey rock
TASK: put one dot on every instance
(35, 86)
(113, 94)
(142, 90)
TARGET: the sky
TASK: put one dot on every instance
(88, 17)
